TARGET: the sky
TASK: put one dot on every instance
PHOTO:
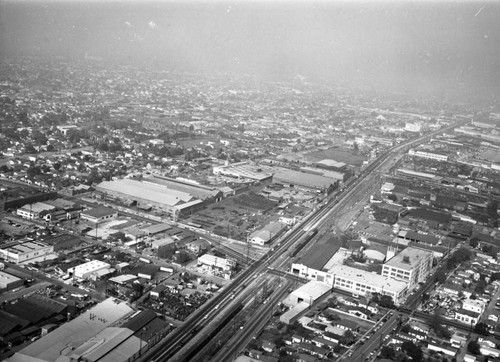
(413, 45)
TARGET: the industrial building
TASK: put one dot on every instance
(34, 211)
(25, 251)
(148, 195)
(204, 193)
(304, 180)
(267, 233)
(337, 176)
(89, 269)
(216, 262)
(354, 280)
(99, 214)
(9, 282)
(245, 170)
(332, 165)
(61, 344)
(411, 265)
(431, 155)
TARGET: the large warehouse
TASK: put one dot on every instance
(61, 343)
(205, 193)
(148, 194)
(245, 170)
(305, 180)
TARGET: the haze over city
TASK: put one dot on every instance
(416, 46)
(249, 181)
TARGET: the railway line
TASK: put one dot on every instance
(297, 238)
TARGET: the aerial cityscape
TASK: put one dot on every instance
(249, 181)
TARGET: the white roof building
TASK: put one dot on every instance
(216, 262)
(84, 271)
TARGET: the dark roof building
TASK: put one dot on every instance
(302, 179)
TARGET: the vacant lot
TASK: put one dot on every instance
(337, 154)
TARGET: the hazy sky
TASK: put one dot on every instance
(420, 44)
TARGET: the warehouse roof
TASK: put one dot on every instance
(303, 179)
(140, 319)
(331, 163)
(198, 191)
(99, 212)
(320, 253)
(146, 191)
(157, 228)
(63, 340)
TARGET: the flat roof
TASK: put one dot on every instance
(63, 340)
(99, 212)
(146, 191)
(331, 163)
(408, 258)
(199, 191)
(24, 246)
(245, 169)
(7, 278)
(312, 289)
(157, 228)
(320, 253)
(304, 179)
(367, 278)
(38, 207)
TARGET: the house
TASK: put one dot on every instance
(417, 334)
(360, 312)
(493, 317)
(469, 358)
(467, 316)
(268, 346)
(442, 348)
(347, 324)
(487, 351)
(485, 341)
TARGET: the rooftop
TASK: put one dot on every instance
(408, 258)
(99, 212)
(69, 336)
(320, 253)
(367, 278)
(7, 278)
(331, 163)
(146, 191)
(304, 179)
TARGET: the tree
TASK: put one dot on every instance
(480, 286)
(482, 328)
(347, 338)
(413, 351)
(474, 348)
(441, 276)
(406, 328)
(474, 243)
(438, 326)
(387, 352)
(386, 301)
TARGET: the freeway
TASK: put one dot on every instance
(278, 258)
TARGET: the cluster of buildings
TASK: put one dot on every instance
(401, 273)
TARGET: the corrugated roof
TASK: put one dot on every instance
(141, 319)
(146, 191)
(63, 340)
(303, 179)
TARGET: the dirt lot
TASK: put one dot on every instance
(337, 154)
